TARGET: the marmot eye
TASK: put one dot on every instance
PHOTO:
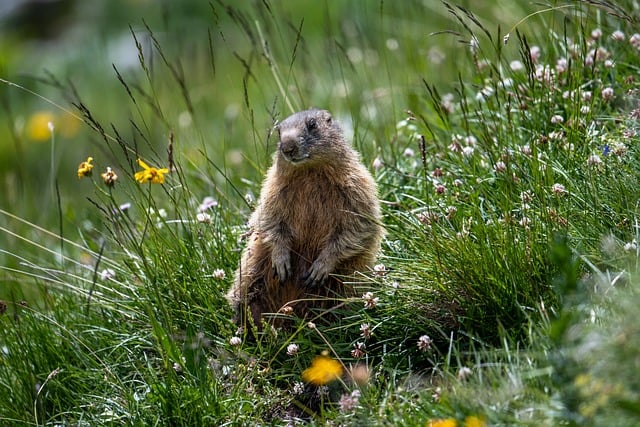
(312, 124)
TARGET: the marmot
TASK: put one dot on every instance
(317, 222)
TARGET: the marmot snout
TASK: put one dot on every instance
(317, 222)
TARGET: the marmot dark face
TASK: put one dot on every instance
(305, 134)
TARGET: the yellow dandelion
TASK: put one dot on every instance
(109, 177)
(322, 371)
(149, 174)
(446, 422)
(85, 168)
(40, 126)
(473, 421)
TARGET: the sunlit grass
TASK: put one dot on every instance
(506, 287)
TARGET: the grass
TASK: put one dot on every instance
(508, 170)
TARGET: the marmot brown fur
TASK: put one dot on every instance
(317, 222)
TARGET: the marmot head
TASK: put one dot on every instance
(309, 136)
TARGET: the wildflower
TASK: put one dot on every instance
(219, 274)
(464, 373)
(617, 36)
(322, 391)
(408, 152)
(203, 217)
(298, 388)
(358, 350)
(516, 66)
(474, 44)
(596, 33)
(558, 189)
(207, 203)
(440, 189)
(380, 269)
(451, 212)
(365, 331)
(474, 421)
(557, 119)
(447, 103)
(424, 343)
(107, 273)
(39, 126)
(535, 53)
(594, 160)
(446, 422)
(311, 325)
(235, 341)
(150, 174)
(634, 40)
(109, 177)
(369, 300)
(287, 310)
(607, 94)
(467, 151)
(377, 163)
(322, 371)
(526, 150)
(292, 349)
(359, 374)
(562, 65)
(500, 166)
(84, 169)
(348, 402)
(585, 109)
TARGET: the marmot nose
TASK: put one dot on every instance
(289, 147)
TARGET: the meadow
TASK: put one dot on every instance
(503, 140)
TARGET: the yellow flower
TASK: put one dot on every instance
(109, 177)
(156, 176)
(40, 126)
(473, 421)
(85, 168)
(447, 422)
(322, 371)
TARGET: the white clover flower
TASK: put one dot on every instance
(235, 341)
(408, 152)
(516, 66)
(631, 246)
(617, 36)
(365, 331)
(558, 189)
(500, 166)
(526, 150)
(348, 402)
(535, 53)
(557, 118)
(298, 388)
(594, 160)
(218, 273)
(377, 163)
(524, 222)
(464, 373)
(107, 274)
(596, 33)
(424, 343)
(369, 300)
(562, 65)
(292, 349)
(635, 40)
(203, 217)
(607, 93)
(585, 109)
(468, 151)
